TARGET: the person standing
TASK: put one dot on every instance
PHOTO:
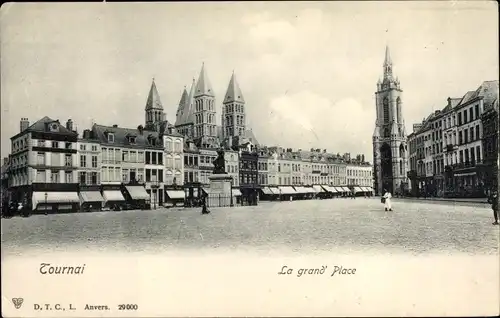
(493, 200)
(387, 200)
(204, 209)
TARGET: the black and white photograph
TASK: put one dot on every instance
(216, 159)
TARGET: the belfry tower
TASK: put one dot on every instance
(233, 111)
(154, 108)
(390, 151)
(205, 129)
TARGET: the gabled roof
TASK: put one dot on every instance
(182, 107)
(41, 126)
(203, 87)
(467, 97)
(489, 91)
(251, 137)
(153, 98)
(233, 93)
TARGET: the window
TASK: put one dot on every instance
(465, 116)
(148, 157)
(67, 161)
(41, 143)
(40, 176)
(68, 177)
(477, 111)
(477, 132)
(111, 138)
(83, 147)
(117, 174)
(117, 156)
(125, 175)
(68, 145)
(466, 136)
(40, 159)
(83, 161)
(140, 175)
(55, 144)
(82, 177)
(478, 153)
(148, 175)
(153, 157)
(132, 139)
(94, 161)
(140, 157)
(94, 147)
(125, 156)
(94, 178)
(54, 177)
(459, 119)
(160, 158)
(471, 114)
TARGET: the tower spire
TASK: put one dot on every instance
(203, 87)
(233, 93)
(387, 64)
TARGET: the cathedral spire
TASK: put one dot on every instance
(182, 107)
(387, 64)
(153, 101)
(203, 87)
(188, 114)
(233, 93)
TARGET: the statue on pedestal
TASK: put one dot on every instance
(219, 163)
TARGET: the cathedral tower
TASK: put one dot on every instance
(389, 137)
(233, 111)
(205, 129)
(154, 108)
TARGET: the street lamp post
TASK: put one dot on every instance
(46, 195)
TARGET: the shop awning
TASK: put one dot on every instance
(236, 192)
(274, 190)
(205, 189)
(358, 189)
(287, 190)
(346, 189)
(318, 188)
(91, 196)
(113, 195)
(369, 189)
(309, 190)
(138, 193)
(330, 189)
(300, 190)
(465, 174)
(175, 194)
(339, 189)
(54, 197)
(267, 191)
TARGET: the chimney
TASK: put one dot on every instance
(449, 101)
(140, 129)
(24, 124)
(115, 126)
(86, 134)
(69, 125)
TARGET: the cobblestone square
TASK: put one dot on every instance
(342, 225)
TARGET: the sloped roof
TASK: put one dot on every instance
(153, 98)
(467, 97)
(188, 112)
(142, 140)
(41, 126)
(182, 107)
(387, 60)
(203, 87)
(251, 136)
(233, 93)
(489, 91)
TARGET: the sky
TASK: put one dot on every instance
(308, 70)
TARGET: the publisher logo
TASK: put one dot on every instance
(18, 302)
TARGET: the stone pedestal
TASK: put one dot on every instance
(220, 193)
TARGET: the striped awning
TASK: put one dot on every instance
(331, 189)
(138, 193)
(175, 194)
(274, 190)
(309, 190)
(358, 189)
(339, 189)
(113, 195)
(346, 189)
(287, 190)
(369, 189)
(91, 196)
(300, 190)
(236, 192)
(318, 188)
(267, 191)
(54, 197)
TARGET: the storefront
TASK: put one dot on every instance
(54, 202)
(113, 198)
(138, 198)
(175, 196)
(90, 201)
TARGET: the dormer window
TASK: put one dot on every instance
(111, 137)
(131, 139)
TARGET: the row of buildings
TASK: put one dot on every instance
(52, 166)
(454, 151)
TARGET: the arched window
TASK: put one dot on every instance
(386, 110)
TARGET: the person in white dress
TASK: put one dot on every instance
(387, 203)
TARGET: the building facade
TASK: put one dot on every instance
(389, 137)
(490, 146)
(43, 169)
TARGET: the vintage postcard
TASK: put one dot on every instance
(216, 159)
